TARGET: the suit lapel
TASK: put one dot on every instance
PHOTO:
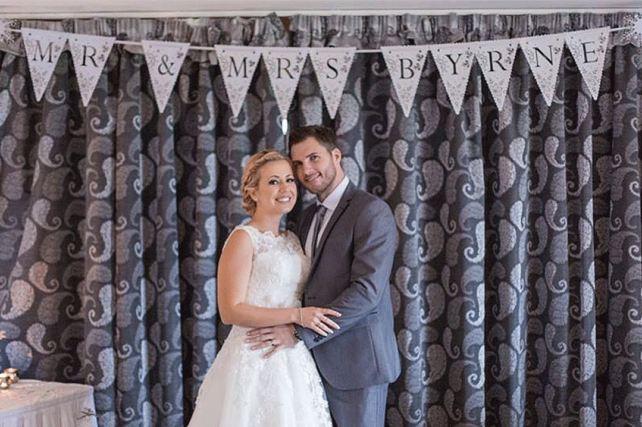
(343, 204)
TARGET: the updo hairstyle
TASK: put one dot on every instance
(250, 177)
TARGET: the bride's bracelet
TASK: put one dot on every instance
(300, 317)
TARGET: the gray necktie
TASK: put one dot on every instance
(321, 210)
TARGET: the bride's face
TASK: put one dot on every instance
(276, 191)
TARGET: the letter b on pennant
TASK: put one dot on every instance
(405, 64)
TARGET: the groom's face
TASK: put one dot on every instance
(318, 169)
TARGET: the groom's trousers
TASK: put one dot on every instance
(363, 407)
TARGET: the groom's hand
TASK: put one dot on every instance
(273, 337)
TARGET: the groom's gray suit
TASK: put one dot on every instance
(350, 273)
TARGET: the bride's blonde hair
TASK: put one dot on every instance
(250, 177)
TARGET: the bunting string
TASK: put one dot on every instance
(635, 34)
(331, 65)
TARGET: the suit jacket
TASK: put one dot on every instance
(351, 274)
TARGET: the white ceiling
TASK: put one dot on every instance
(175, 8)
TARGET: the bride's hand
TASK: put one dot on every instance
(316, 319)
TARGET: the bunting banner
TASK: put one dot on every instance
(544, 54)
(405, 64)
(331, 66)
(164, 61)
(284, 67)
(454, 62)
(237, 67)
(495, 59)
(89, 54)
(43, 49)
(589, 49)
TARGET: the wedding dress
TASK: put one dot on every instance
(244, 389)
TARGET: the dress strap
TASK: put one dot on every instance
(251, 231)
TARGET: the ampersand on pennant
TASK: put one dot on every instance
(164, 67)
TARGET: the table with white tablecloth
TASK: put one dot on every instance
(31, 403)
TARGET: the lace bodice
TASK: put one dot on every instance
(279, 269)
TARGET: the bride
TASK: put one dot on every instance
(260, 276)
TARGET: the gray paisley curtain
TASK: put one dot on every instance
(517, 284)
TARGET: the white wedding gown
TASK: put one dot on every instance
(244, 389)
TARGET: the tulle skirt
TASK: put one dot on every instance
(244, 389)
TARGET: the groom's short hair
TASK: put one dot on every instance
(325, 135)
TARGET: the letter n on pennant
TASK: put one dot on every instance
(544, 54)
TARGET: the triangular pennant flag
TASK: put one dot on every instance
(284, 66)
(43, 49)
(454, 62)
(164, 61)
(496, 59)
(332, 65)
(405, 64)
(237, 67)
(544, 54)
(589, 48)
(90, 54)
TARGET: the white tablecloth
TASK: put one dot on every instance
(31, 403)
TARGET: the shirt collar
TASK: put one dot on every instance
(332, 201)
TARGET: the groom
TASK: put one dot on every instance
(351, 239)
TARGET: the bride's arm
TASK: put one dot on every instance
(233, 277)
